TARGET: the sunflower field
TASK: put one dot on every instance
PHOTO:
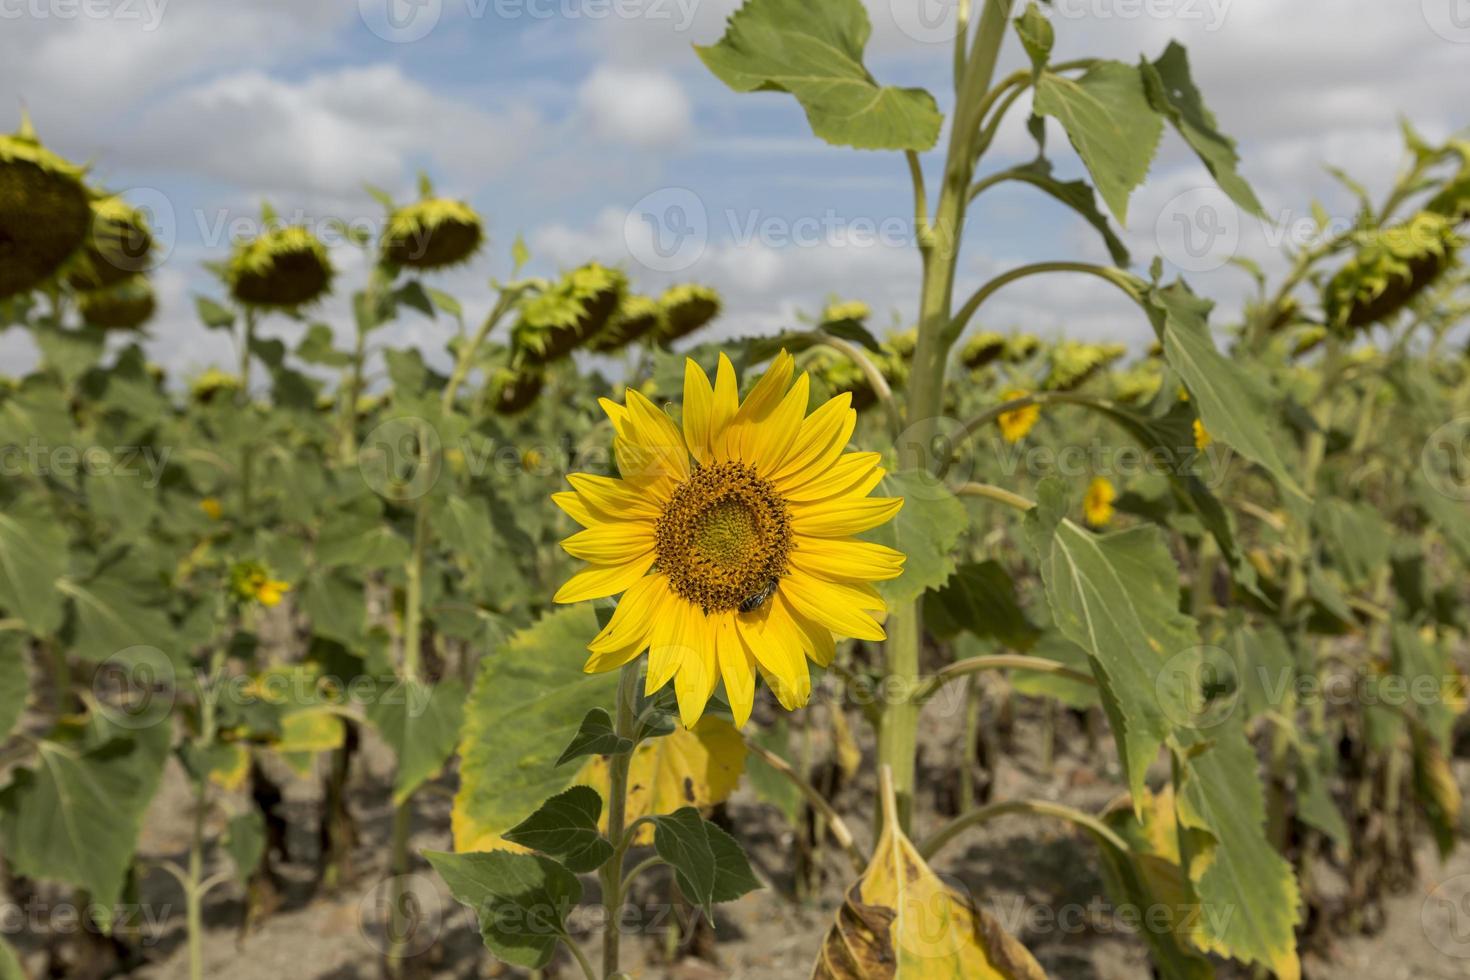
(842, 652)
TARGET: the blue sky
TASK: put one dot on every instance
(557, 117)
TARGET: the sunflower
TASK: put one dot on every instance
(1097, 505)
(1018, 421)
(731, 540)
(1202, 436)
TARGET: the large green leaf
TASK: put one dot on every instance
(1449, 515)
(926, 530)
(815, 52)
(1177, 97)
(1252, 904)
(1110, 121)
(708, 863)
(528, 701)
(980, 598)
(76, 815)
(115, 610)
(1355, 536)
(1234, 405)
(521, 900)
(32, 558)
(421, 723)
(1117, 597)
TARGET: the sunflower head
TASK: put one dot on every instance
(512, 391)
(44, 212)
(1202, 437)
(432, 234)
(1097, 504)
(251, 582)
(731, 538)
(854, 311)
(637, 317)
(212, 508)
(837, 373)
(205, 388)
(119, 246)
(1391, 267)
(1074, 362)
(126, 305)
(1308, 339)
(568, 313)
(982, 349)
(1018, 421)
(1020, 347)
(283, 268)
(687, 308)
(1139, 383)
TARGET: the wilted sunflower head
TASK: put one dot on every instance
(568, 313)
(636, 318)
(687, 308)
(127, 305)
(855, 311)
(44, 212)
(514, 391)
(283, 268)
(1073, 362)
(211, 383)
(1391, 267)
(119, 246)
(432, 234)
(732, 539)
(982, 349)
(1020, 347)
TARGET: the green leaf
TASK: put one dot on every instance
(32, 558)
(1234, 405)
(316, 347)
(926, 530)
(1177, 97)
(519, 254)
(565, 827)
(360, 539)
(528, 701)
(1355, 537)
(1111, 123)
(115, 610)
(1449, 515)
(76, 816)
(596, 736)
(412, 295)
(981, 598)
(733, 877)
(1117, 597)
(38, 412)
(1077, 195)
(815, 52)
(213, 315)
(1252, 904)
(444, 301)
(681, 840)
(1070, 691)
(521, 900)
(421, 723)
(245, 843)
(15, 681)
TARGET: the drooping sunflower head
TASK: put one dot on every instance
(982, 349)
(636, 318)
(432, 234)
(118, 247)
(44, 212)
(1391, 267)
(1074, 362)
(850, 311)
(568, 313)
(687, 308)
(126, 305)
(1097, 504)
(283, 268)
(731, 538)
(211, 383)
(513, 391)
(1140, 382)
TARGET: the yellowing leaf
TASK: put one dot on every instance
(692, 767)
(230, 766)
(901, 920)
(307, 733)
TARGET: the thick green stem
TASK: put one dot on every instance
(398, 924)
(898, 731)
(242, 400)
(194, 889)
(617, 834)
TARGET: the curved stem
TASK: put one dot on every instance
(977, 422)
(581, 957)
(1004, 661)
(1106, 273)
(835, 823)
(994, 493)
(936, 842)
(874, 377)
(652, 861)
(465, 360)
(921, 202)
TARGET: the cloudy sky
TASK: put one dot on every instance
(589, 125)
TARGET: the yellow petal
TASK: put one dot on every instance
(835, 605)
(761, 402)
(698, 673)
(823, 436)
(674, 638)
(737, 667)
(843, 516)
(777, 653)
(616, 498)
(576, 508)
(836, 558)
(611, 544)
(766, 445)
(727, 398)
(699, 407)
(817, 640)
(633, 618)
(656, 433)
(854, 474)
(598, 581)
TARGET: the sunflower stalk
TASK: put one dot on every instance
(618, 835)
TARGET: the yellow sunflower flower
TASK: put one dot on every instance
(212, 508)
(1015, 424)
(1097, 505)
(1202, 437)
(731, 541)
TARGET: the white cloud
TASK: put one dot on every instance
(633, 107)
